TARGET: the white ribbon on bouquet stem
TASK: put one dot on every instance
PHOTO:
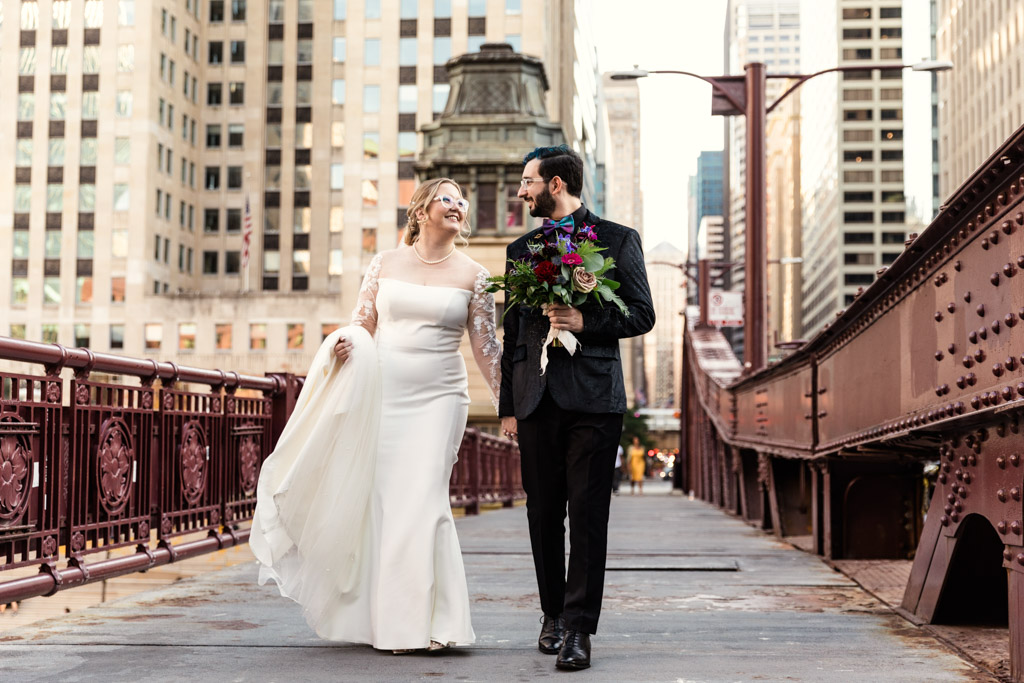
(567, 338)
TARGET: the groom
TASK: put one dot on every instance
(568, 420)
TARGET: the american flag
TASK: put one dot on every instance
(246, 233)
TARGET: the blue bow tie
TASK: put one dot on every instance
(549, 226)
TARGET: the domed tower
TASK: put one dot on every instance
(495, 114)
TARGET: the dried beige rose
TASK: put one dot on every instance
(582, 281)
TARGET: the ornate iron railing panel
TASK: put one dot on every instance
(33, 469)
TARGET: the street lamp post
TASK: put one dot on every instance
(745, 95)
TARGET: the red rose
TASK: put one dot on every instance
(546, 272)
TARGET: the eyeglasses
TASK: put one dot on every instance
(449, 202)
(525, 182)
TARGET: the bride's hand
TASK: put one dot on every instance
(343, 349)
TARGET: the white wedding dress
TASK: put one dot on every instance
(353, 519)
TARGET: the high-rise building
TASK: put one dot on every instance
(149, 136)
(663, 348)
(710, 240)
(783, 224)
(766, 31)
(854, 211)
(624, 198)
(705, 195)
(981, 101)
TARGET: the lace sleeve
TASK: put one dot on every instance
(483, 337)
(365, 312)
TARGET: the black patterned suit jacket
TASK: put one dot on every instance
(590, 381)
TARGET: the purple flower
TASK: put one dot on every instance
(587, 232)
(565, 242)
(572, 260)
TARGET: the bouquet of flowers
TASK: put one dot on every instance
(561, 268)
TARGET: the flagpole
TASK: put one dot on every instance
(246, 241)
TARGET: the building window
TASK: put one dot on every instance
(153, 334)
(407, 52)
(257, 336)
(215, 52)
(371, 52)
(236, 92)
(407, 99)
(59, 59)
(122, 197)
(442, 50)
(123, 106)
(58, 105)
(55, 152)
(442, 9)
(336, 220)
(334, 262)
(237, 10)
(478, 8)
(236, 133)
(117, 289)
(21, 244)
(337, 176)
(371, 98)
(214, 94)
(51, 243)
(303, 93)
(51, 290)
(233, 224)
(211, 262)
(295, 335)
(371, 145)
(304, 51)
(513, 6)
(212, 178)
(222, 336)
(186, 336)
(234, 177)
(17, 331)
(275, 12)
(371, 193)
(19, 291)
(369, 241)
(340, 7)
(440, 97)
(211, 220)
(238, 52)
(275, 52)
(407, 145)
(300, 262)
(83, 289)
(232, 262)
(49, 333)
(338, 50)
(338, 91)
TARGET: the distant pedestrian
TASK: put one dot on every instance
(637, 466)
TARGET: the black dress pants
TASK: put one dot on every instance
(567, 461)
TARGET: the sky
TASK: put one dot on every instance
(675, 119)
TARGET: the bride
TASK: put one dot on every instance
(353, 519)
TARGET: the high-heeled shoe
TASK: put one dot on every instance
(435, 646)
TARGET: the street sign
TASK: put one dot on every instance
(725, 308)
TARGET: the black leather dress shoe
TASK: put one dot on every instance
(551, 630)
(575, 652)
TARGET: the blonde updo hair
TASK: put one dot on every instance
(421, 199)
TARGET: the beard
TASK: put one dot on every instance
(543, 204)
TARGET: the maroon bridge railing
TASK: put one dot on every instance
(159, 466)
(915, 390)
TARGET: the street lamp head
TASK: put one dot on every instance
(932, 65)
(631, 75)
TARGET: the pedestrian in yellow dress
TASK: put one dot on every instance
(637, 465)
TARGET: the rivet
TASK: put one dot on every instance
(938, 355)
(994, 279)
(1007, 393)
(945, 522)
(1001, 462)
(1011, 363)
(1001, 527)
(979, 355)
(997, 369)
(1020, 261)
(1015, 460)
(1015, 493)
(984, 244)
(971, 378)
(967, 477)
(960, 382)
(952, 306)
(985, 399)
(958, 506)
(963, 460)
(957, 266)
(1006, 226)
(1008, 270)
(951, 348)
(972, 459)
(983, 333)
(975, 402)
(1007, 555)
(1010, 319)
(995, 326)
(1015, 527)
(954, 517)
(1001, 495)
(951, 498)
(1019, 218)
(938, 316)
(1020, 388)
(1020, 557)
(994, 236)
(959, 407)
(967, 297)
(942, 477)
(972, 337)
(948, 508)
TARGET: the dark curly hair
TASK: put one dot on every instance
(561, 161)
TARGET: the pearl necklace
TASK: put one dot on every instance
(432, 263)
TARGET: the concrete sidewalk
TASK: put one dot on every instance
(692, 594)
